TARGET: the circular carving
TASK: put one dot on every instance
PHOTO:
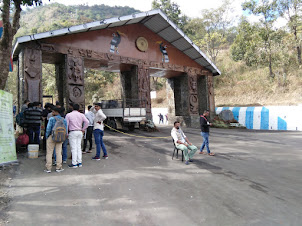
(141, 44)
(76, 92)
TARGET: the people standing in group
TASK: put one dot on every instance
(32, 121)
(182, 142)
(25, 105)
(65, 143)
(47, 110)
(205, 132)
(98, 131)
(52, 144)
(88, 134)
(70, 107)
(77, 124)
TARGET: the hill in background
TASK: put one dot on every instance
(239, 85)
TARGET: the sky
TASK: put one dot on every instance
(191, 8)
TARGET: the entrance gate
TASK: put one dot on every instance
(137, 46)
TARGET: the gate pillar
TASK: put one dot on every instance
(183, 100)
(74, 82)
(136, 86)
(143, 78)
(211, 97)
(31, 75)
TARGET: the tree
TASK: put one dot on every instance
(246, 43)
(292, 10)
(172, 10)
(10, 28)
(267, 9)
(216, 23)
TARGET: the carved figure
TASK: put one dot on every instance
(75, 69)
(164, 52)
(193, 84)
(115, 41)
(193, 99)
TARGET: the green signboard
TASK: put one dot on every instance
(7, 138)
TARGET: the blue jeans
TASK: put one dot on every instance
(98, 137)
(205, 136)
(64, 151)
(34, 134)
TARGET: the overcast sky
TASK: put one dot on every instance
(190, 8)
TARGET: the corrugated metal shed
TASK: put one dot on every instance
(155, 20)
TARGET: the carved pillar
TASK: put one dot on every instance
(143, 78)
(31, 72)
(181, 95)
(20, 81)
(202, 93)
(193, 96)
(186, 100)
(211, 97)
(130, 83)
(170, 99)
(60, 80)
(74, 91)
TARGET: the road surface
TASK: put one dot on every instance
(254, 179)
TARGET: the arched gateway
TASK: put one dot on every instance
(138, 46)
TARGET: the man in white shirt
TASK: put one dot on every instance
(88, 135)
(183, 143)
(98, 131)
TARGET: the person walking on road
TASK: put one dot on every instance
(51, 144)
(98, 131)
(90, 116)
(161, 118)
(77, 124)
(205, 131)
(183, 143)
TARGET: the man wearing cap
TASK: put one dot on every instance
(77, 124)
(98, 131)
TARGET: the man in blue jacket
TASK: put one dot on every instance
(51, 144)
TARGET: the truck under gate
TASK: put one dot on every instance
(123, 114)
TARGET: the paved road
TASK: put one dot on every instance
(254, 179)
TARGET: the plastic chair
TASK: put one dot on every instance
(176, 149)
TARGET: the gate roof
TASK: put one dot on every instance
(155, 20)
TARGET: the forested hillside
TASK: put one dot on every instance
(260, 61)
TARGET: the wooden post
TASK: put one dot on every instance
(143, 78)
(32, 74)
(75, 81)
(193, 95)
(211, 96)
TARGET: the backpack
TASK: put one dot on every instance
(59, 131)
(20, 119)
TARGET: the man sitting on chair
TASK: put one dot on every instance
(182, 142)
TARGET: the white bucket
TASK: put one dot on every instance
(33, 151)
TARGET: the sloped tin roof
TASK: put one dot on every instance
(155, 20)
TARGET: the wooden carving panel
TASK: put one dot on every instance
(75, 81)
(144, 88)
(33, 74)
(75, 70)
(193, 96)
(76, 95)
